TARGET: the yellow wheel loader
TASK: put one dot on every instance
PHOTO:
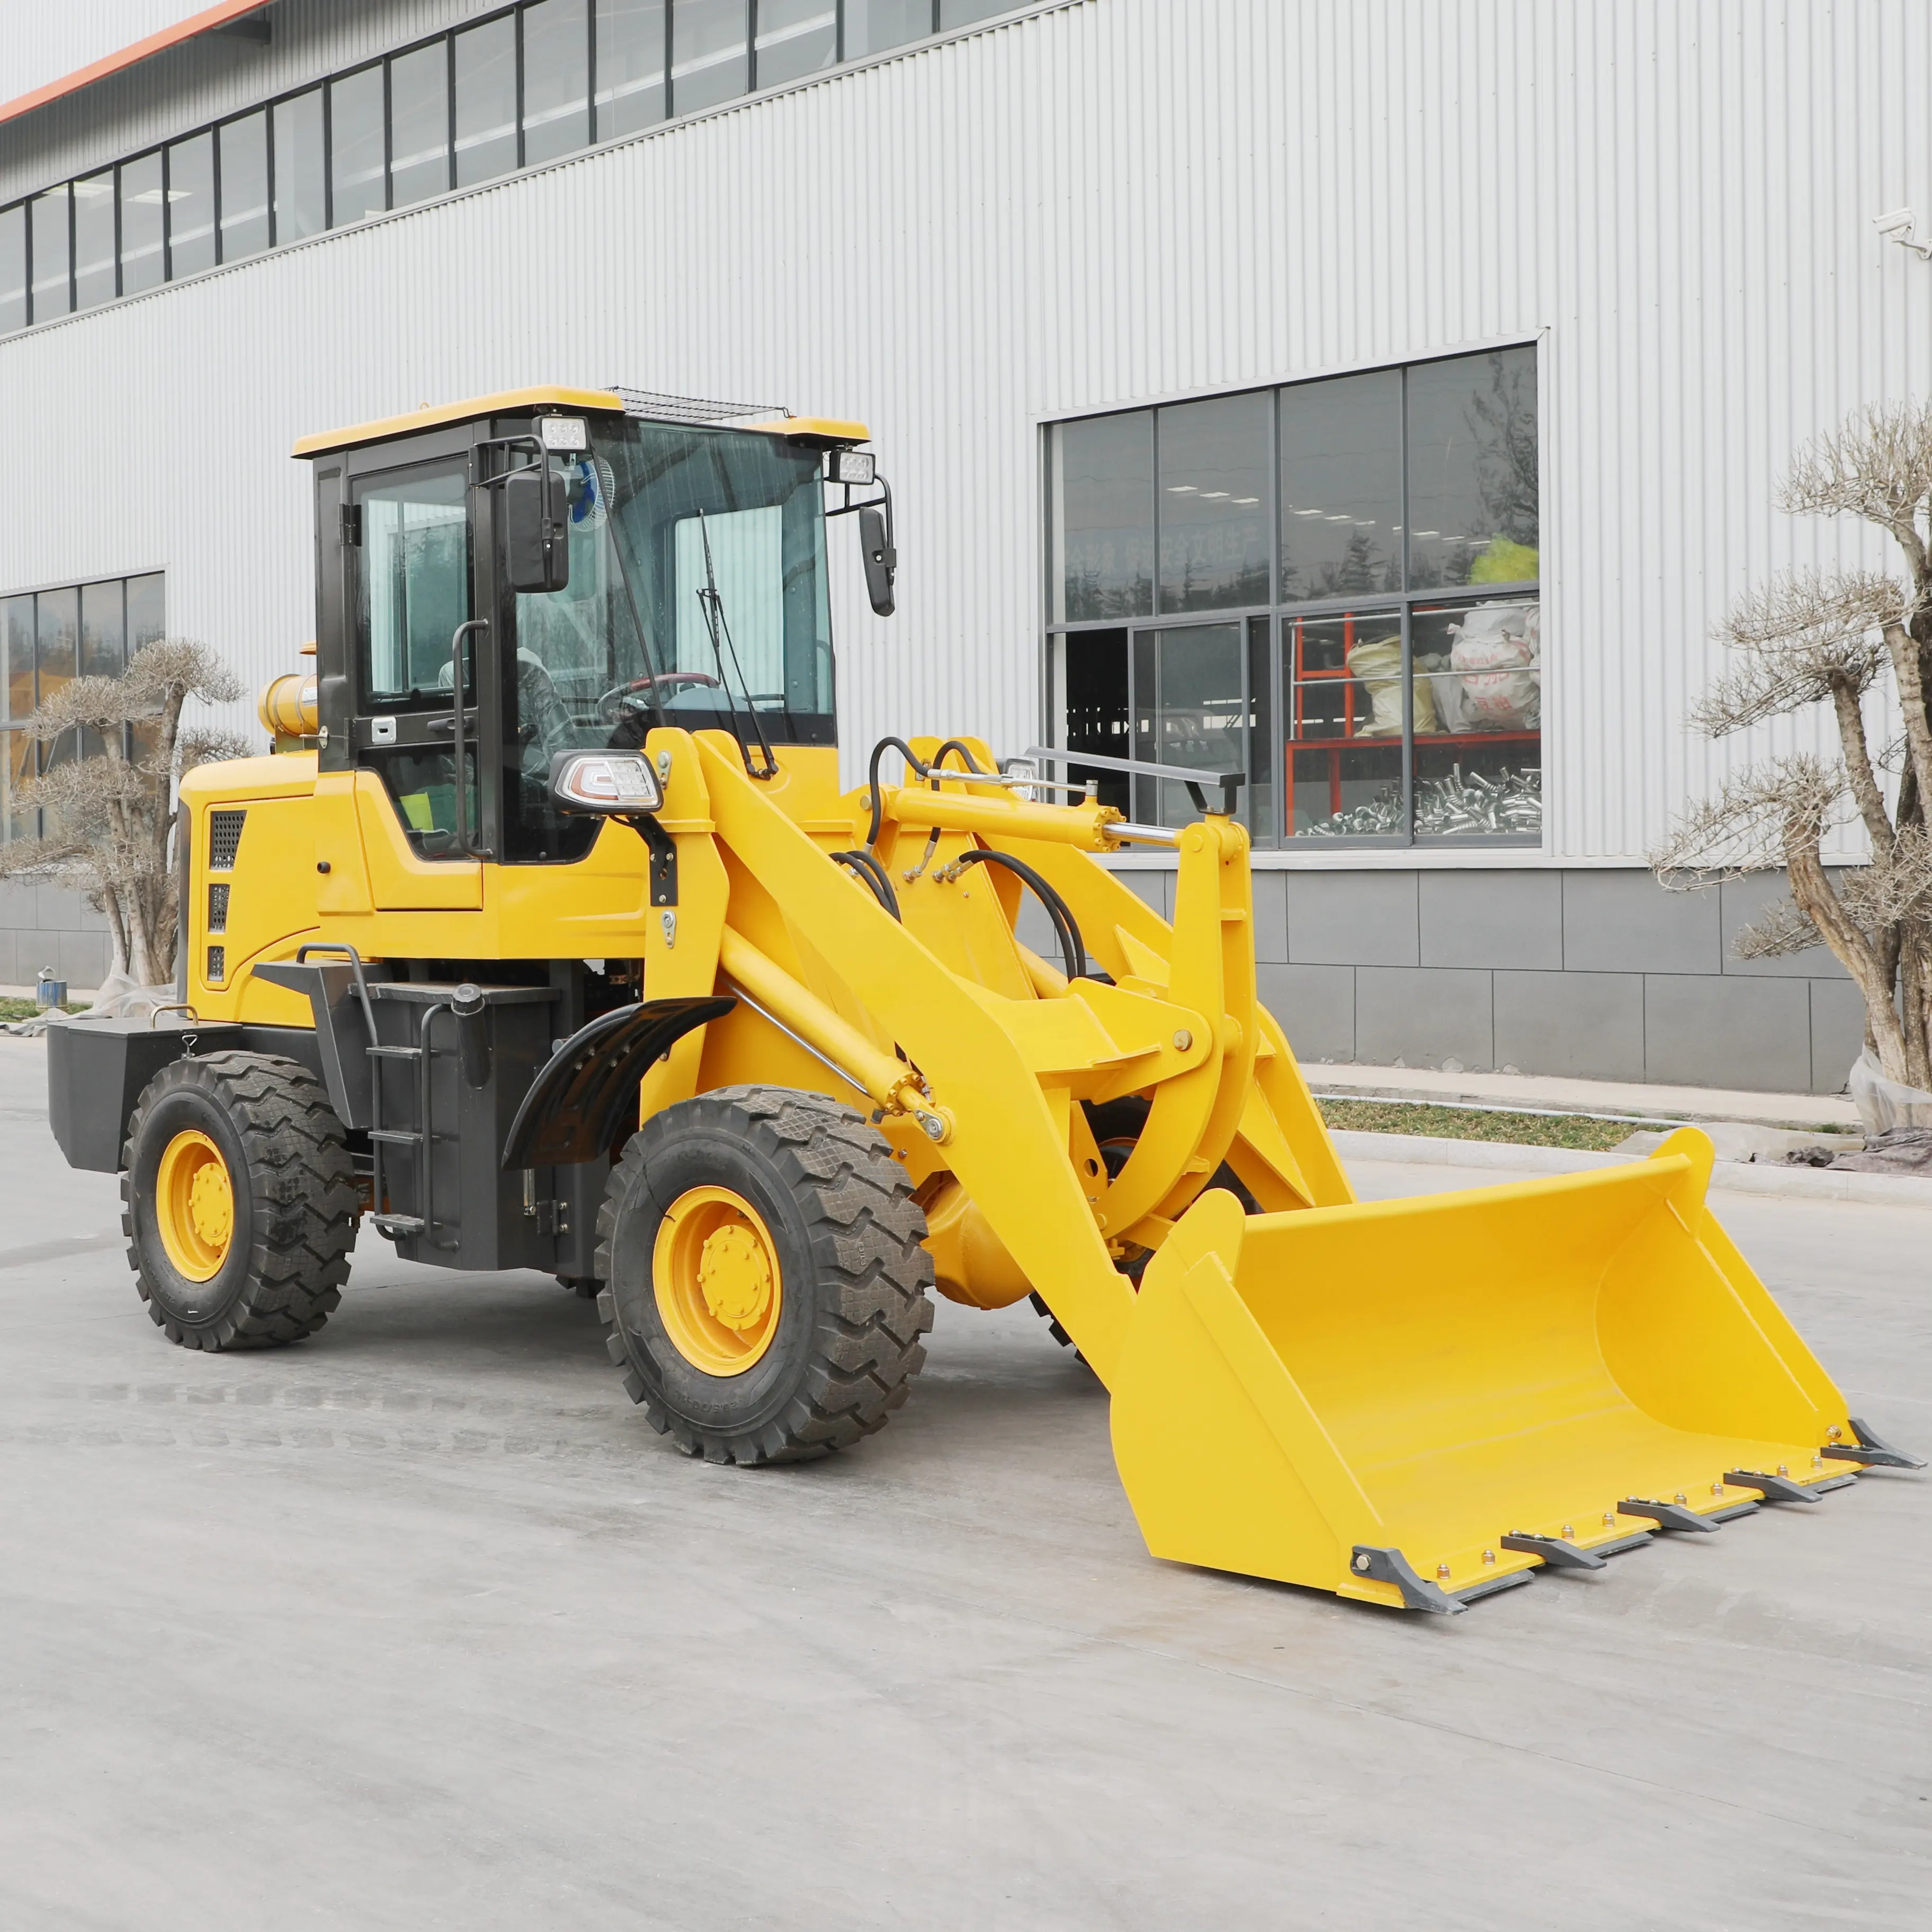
(549, 940)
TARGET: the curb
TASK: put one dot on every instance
(1735, 1177)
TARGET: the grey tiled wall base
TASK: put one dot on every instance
(1592, 974)
(48, 926)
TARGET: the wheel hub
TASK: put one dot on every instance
(736, 1276)
(716, 1276)
(194, 1205)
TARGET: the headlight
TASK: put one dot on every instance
(606, 782)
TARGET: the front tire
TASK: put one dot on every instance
(765, 1275)
(238, 1201)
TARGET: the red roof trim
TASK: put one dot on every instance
(168, 37)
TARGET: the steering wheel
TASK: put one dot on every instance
(666, 681)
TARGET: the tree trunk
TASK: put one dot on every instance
(1811, 888)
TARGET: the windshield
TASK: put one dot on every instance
(660, 514)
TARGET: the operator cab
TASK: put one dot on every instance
(586, 565)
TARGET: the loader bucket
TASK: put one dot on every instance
(1378, 1398)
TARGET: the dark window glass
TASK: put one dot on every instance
(147, 611)
(48, 219)
(357, 176)
(1188, 709)
(630, 66)
(1341, 487)
(1094, 704)
(16, 658)
(190, 206)
(103, 636)
(143, 218)
(708, 53)
(94, 240)
(963, 12)
(56, 636)
(873, 25)
(302, 199)
(486, 101)
(419, 125)
(245, 186)
(13, 268)
(1103, 536)
(1478, 718)
(795, 38)
(1472, 491)
(1258, 807)
(1214, 503)
(1343, 694)
(556, 79)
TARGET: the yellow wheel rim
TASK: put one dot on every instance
(194, 1205)
(715, 1271)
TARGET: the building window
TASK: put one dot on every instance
(47, 638)
(1346, 576)
(526, 86)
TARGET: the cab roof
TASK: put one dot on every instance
(822, 432)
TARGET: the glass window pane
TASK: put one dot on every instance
(1258, 795)
(873, 25)
(1478, 704)
(414, 584)
(1191, 711)
(190, 206)
(963, 12)
(358, 179)
(16, 658)
(1341, 487)
(486, 101)
(1103, 518)
(245, 186)
(57, 632)
(48, 235)
(630, 66)
(556, 79)
(1342, 692)
(147, 611)
(1214, 502)
(302, 198)
(419, 125)
(142, 263)
(1091, 672)
(795, 38)
(13, 268)
(708, 57)
(103, 634)
(94, 240)
(1472, 492)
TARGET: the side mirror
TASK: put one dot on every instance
(619, 783)
(536, 529)
(882, 560)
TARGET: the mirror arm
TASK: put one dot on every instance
(464, 843)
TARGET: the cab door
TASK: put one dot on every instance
(413, 581)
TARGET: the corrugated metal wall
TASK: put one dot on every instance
(1120, 200)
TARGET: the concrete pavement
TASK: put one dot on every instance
(417, 1625)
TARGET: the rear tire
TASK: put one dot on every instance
(766, 1275)
(239, 1200)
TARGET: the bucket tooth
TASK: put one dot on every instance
(1558, 1554)
(1390, 1566)
(1667, 1516)
(1872, 1449)
(1773, 1488)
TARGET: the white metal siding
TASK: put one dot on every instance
(1119, 201)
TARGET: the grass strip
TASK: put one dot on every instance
(26, 1009)
(1467, 1123)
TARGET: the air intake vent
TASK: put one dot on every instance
(224, 839)
(218, 908)
(217, 964)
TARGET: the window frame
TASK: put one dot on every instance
(1280, 611)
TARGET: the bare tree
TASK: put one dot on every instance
(1837, 638)
(109, 816)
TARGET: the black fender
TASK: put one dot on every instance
(575, 1106)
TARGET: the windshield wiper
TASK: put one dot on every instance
(712, 605)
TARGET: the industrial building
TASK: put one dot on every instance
(1380, 398)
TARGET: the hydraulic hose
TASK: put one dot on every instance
(918, 767)
(874, 873)
(1072, 949)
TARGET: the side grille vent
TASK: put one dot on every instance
(218, 908)
(224, 839)
(217, 964)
